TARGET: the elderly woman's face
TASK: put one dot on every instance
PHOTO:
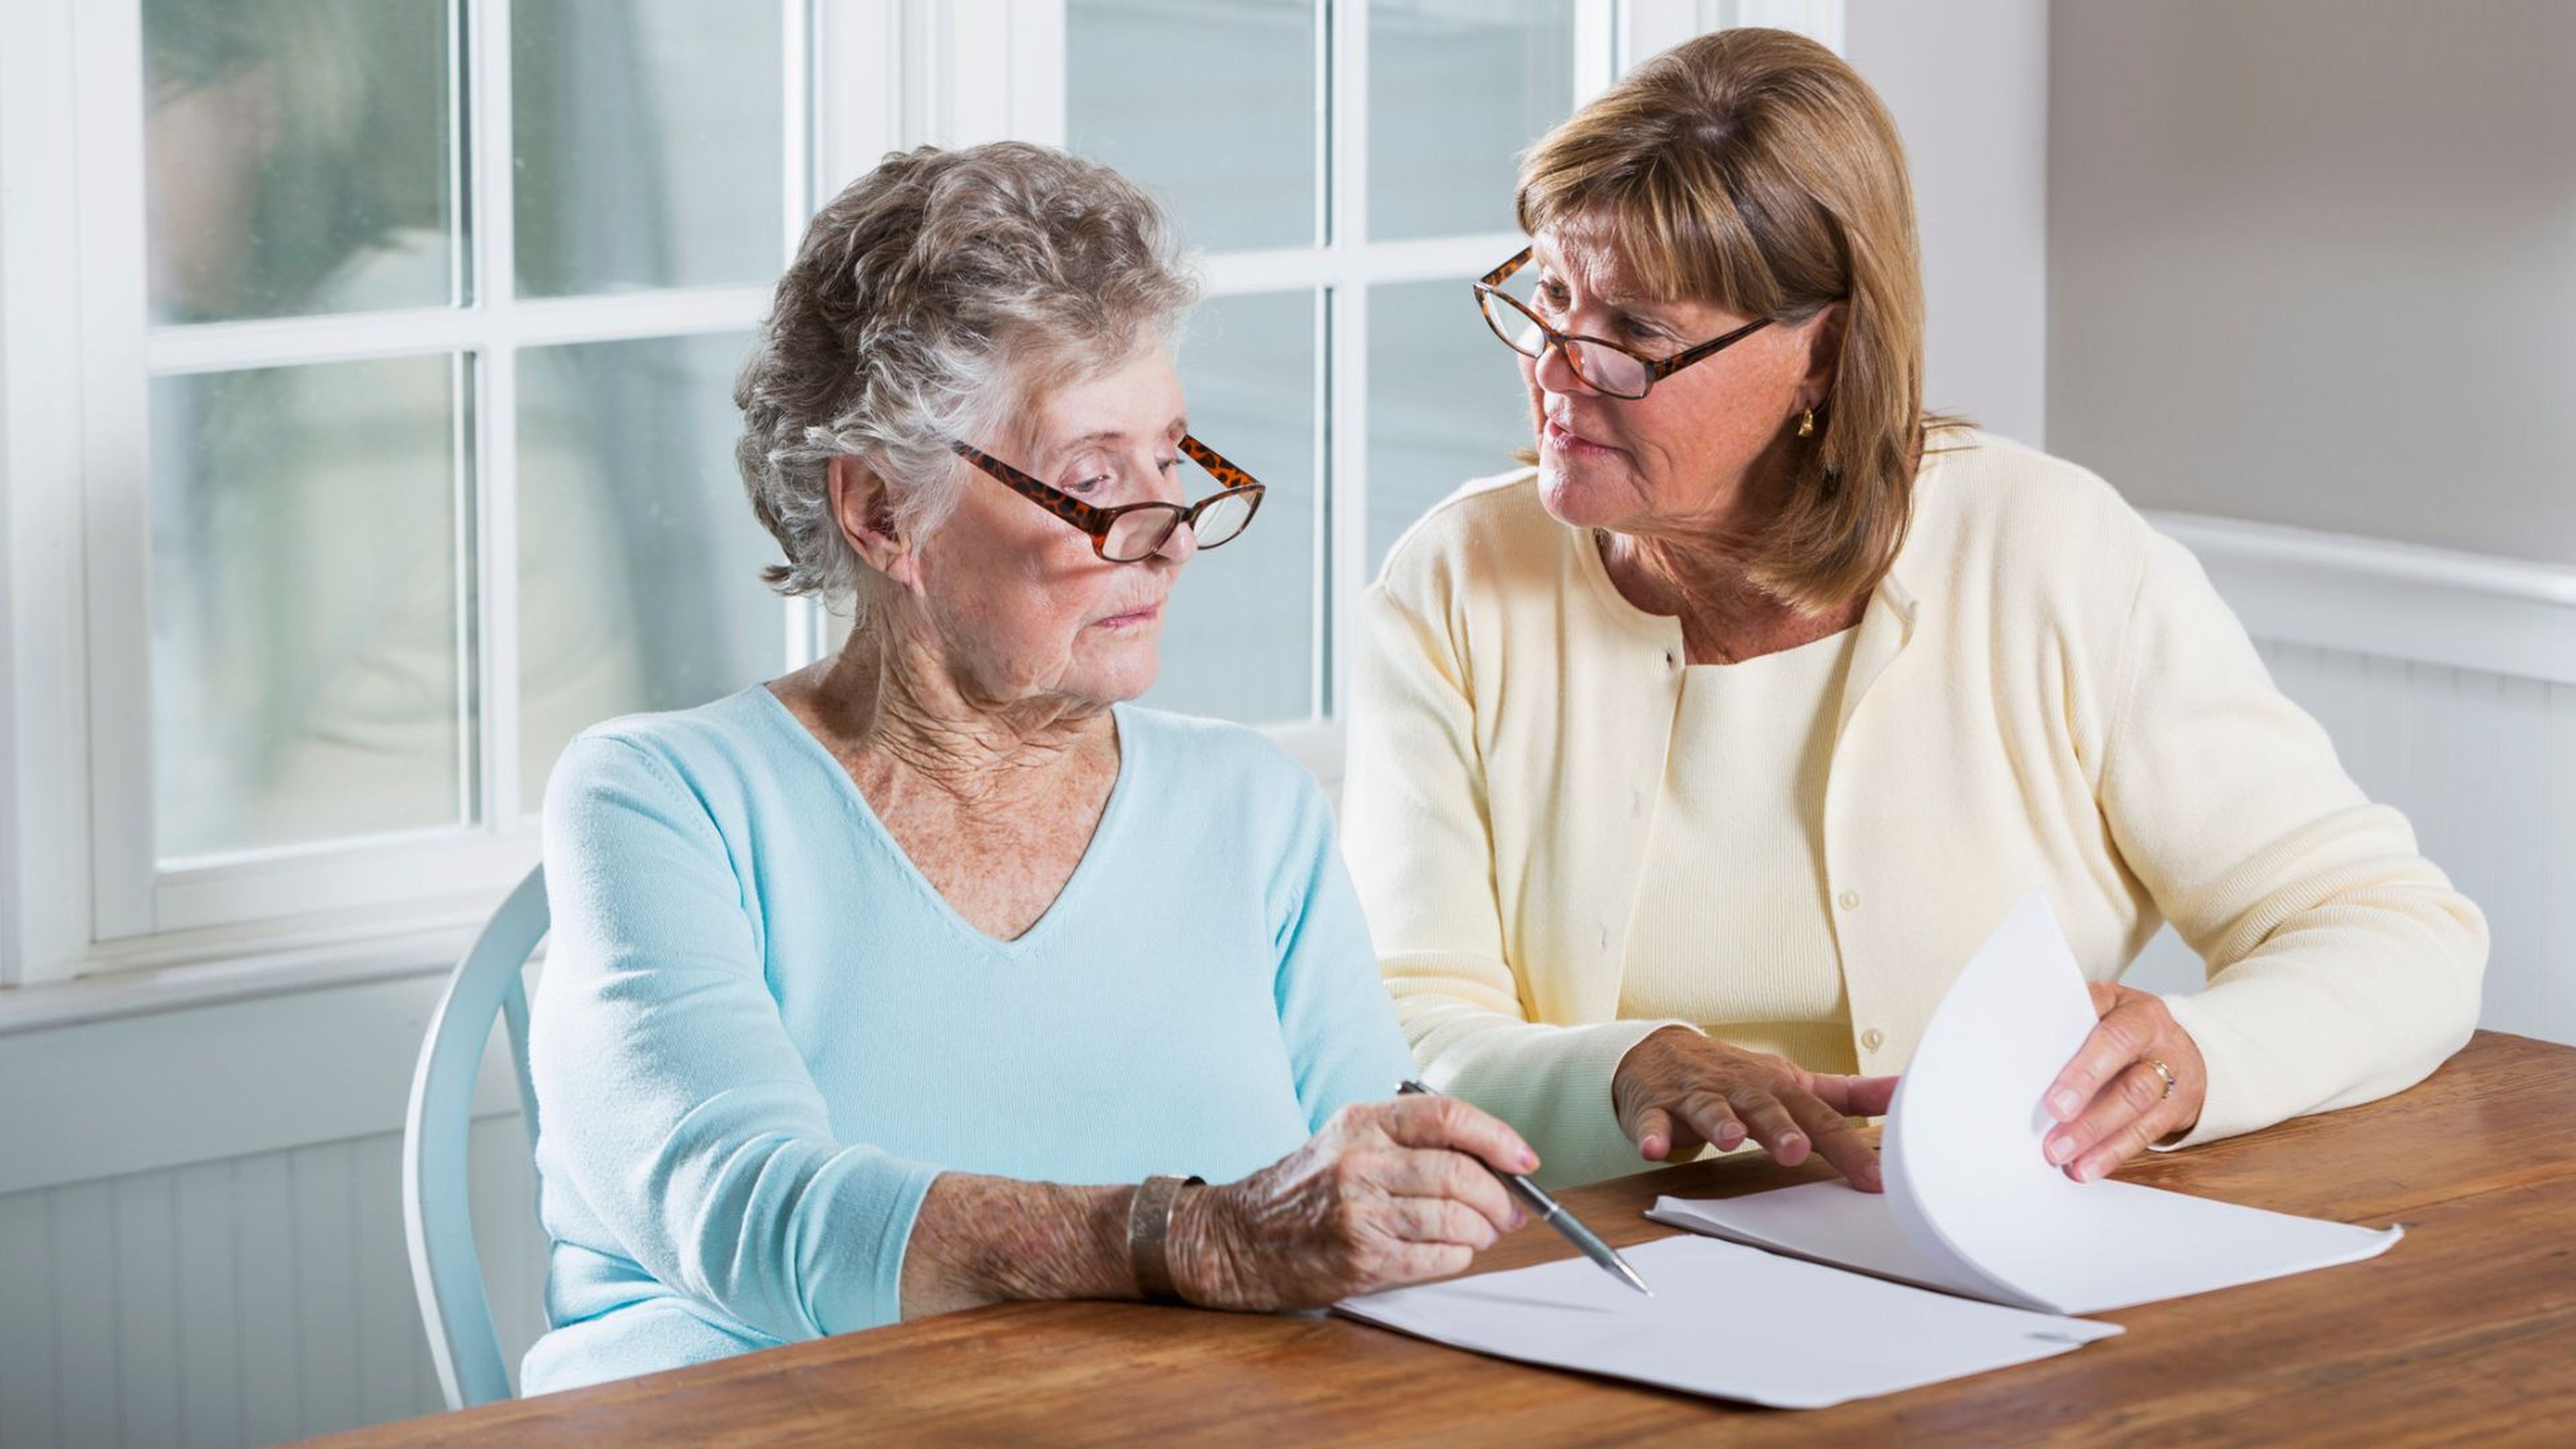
(1022, 606)
(1679, 457)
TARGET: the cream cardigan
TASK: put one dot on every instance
(2044, 691)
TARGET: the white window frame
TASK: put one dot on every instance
(1610, 37)
(80, 895)
(84, 890)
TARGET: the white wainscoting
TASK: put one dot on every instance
(200, 1237)
(244, 1300)
(201, 1233)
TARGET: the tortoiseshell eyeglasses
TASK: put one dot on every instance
(1605, 367)
(1135, 532)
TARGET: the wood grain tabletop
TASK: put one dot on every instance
(2466, 1331)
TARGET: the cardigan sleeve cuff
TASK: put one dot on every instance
(1552, 1084)
(2227, 1107)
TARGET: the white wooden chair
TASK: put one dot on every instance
(436, 1217)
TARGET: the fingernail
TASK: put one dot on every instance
(2088, 1172)
(2063, 1103)
(1529, 1162)
(2060, 1149)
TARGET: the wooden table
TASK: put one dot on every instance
(2466, 1331)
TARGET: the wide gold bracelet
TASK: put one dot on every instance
(1149, 1231)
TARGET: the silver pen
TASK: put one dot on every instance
(1553, 1213)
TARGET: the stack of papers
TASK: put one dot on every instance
(1729, 1322)
(1975, 1252)
(1973, 1208)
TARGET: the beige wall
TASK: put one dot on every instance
(2314, 262)
(1967, 81)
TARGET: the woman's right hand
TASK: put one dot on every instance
(1387, 1193)
(1678, 1089)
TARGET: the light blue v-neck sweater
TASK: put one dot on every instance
(761, 1033)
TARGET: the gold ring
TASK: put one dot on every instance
(2157, 1066)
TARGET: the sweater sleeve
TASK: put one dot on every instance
(668, 1089)
(1420, 840)
(2342, 965)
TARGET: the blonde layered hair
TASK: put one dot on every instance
(1754, 170)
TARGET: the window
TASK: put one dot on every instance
(1342, 191)
(1346, 169)
(407, 333)
(365, 414)
(443, 303)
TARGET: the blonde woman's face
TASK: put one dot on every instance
(1022, 606)
(1676, 461)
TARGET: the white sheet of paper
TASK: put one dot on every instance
(1727, 1321)
(1976, 1206)
(1824, 1222)
(2178, 1245)
(1965, 1132)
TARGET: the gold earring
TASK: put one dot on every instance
(1807, 424)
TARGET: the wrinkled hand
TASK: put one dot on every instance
(1389, 1192)
(1678, 1089)
(2109, 1102)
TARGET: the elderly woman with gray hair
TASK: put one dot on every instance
(856, 975)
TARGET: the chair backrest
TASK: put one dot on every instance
(437, 1218)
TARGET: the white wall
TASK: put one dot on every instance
(1968, 83)
(2314, 262)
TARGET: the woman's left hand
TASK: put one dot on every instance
(2110, 1103)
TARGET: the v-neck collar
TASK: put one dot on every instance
(1067, 898)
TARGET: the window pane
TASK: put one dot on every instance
(1239, 630)
(305, 662)
(298, 157)
(639, 558)
(1456, 92)
(1210, 103)
(1446, 404)
(650, 143)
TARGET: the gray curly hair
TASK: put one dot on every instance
(934, 295)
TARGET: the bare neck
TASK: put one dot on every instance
(910, 734)
(1702, 579)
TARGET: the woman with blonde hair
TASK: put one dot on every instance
(1689, 766)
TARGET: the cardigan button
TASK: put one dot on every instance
(1872, 1039)
(1848, 900)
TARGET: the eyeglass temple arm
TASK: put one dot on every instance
(1218, 468)
(1659, 370)
(1498, 275)
(1063, 505)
